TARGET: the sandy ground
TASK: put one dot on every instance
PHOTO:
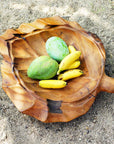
(95, 127)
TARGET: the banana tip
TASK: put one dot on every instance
(58, 72)
(81, 72)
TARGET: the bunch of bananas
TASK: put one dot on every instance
(69, 65)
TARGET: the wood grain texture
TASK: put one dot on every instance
(21, 46)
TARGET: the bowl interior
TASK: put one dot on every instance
(26, 49)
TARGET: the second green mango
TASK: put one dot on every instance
(56, 48)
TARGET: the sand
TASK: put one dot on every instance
(95, 127)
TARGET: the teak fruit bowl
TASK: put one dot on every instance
(21, 46)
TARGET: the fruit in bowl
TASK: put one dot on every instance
(42, 67)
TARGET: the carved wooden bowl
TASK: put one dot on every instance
(21, 46)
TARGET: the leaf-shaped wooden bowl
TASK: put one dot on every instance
(21, 46)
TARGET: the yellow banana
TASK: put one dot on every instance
(55, 84)
(70, 74)
(74, 65)
(71, 49)
(68, 60)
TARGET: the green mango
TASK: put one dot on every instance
(42, 68)
(56, 48)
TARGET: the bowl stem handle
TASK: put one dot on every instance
(107, 84)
